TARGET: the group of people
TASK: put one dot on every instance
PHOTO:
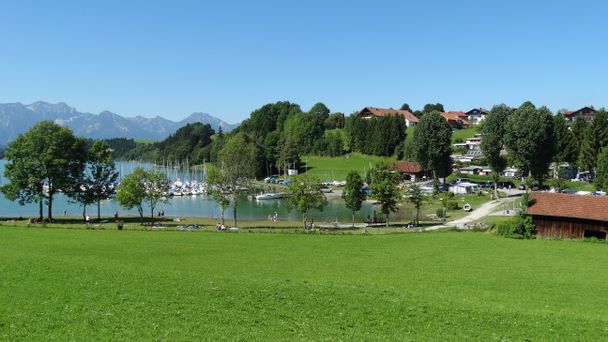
(273, 217)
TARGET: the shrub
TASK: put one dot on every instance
(439, 213)
(519, 227)
(119, 225)
(452, 205)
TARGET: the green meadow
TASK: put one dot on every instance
(74, 284)
(336, 168)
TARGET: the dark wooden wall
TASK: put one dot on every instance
(565, 228)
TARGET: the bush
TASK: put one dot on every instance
(519, 227)
(119, 225)
(452, 205)
(439, 213)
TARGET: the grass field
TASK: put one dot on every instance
(336, 168)
(60, 284)
(463, 134)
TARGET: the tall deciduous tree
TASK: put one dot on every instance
(431, 144)
(529, 138)
(238, 164)
(132, 191)
(219, 190)
(42, 161)
(157, 185)
(492, 142)
(417, 199)
(352, 195)
(305, 194)
(384, 189)
(102, 172)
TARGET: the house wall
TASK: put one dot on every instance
(565, 228)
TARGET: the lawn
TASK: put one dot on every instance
(336, 168)
(461, 135)
(67, 284)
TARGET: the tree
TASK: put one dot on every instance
(578, 132)
(45, 159)
(492, 140)
(132, 191)
(320, 109)
(565, 148)
(156, 185)
(431, 144)
(305, 194)
(238, 165)
(417, 199)
(601, 178)
(406, 106)
(594, 140)
(102, 173)
(529, 138)
(384, 189)
(219, 190)
(429, 108)
(352, 195)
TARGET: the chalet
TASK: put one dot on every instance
(457, 120)
(566, 216)
(586, 113)
(409, 169)
(476, 116)
(370, 112)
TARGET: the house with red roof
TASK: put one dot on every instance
(457, 120)
(557, 215)
(370, 112)
(586, 113)
(409, 170)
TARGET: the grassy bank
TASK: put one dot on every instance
(83, 285)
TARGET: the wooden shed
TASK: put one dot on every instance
(568, 216)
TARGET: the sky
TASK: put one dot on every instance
(227, 58)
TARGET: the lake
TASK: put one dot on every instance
(187, 206)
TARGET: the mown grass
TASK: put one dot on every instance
(461, 135)
(336, 168)
(60, 284)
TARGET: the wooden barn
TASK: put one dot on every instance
(569, 216)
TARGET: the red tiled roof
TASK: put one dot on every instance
(458, 114)
(386, 112)
(406, 166)
(450, 116)
(565, 205)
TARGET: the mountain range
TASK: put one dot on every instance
(16, 118)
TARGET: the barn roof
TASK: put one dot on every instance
(406, 166)
(389, 111)
(571, 206)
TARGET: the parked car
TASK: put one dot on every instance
(569, 191)
(505, 185)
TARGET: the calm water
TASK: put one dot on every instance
(192, 206)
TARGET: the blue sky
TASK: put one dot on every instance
(226, 58)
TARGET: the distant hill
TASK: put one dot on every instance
(16, 118)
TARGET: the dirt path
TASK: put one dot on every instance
(475, 215)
